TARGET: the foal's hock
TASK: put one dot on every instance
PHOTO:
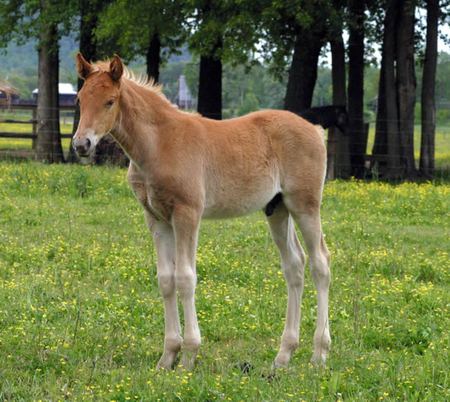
(185, 167)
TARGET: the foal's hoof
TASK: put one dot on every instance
(188, 360)
(319, 359)
(166, 362)
(282, 360)
(279, 365)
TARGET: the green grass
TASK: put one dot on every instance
(81, 317)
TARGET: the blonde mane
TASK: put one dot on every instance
(141, 80)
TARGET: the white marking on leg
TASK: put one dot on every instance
(186, 225)
(165, 247)
(292, 262)
(320, 270)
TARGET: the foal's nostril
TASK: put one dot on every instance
(81, 150)
(82, 146)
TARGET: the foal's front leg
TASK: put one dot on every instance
(165, 247)
(186, 222)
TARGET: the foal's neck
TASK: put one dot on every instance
(141, 113)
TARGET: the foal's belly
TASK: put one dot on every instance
(237, 199)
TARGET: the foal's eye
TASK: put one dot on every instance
(109, 103)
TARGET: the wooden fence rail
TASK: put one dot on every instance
(32, 136)
(32, 121)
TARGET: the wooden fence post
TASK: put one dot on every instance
(34, 126)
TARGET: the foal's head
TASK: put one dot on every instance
(99, 102)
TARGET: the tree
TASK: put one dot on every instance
(356, 128)
(149, 28)
(48, 142)
(89, 11)
(221, 32)
(428, 91)
(394, 146)
(208, 14)
(386, 150)
(294, 33)
(45, 20)
(209, 102)
(338, 143)
(406, 85)
(303, 71)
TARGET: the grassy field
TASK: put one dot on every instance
(81, 317)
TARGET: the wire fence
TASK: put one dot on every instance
(19, 125)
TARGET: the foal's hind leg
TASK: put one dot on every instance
(292, 263)
(307, 215)
(164, 240)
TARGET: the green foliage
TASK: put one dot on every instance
(133, 24)
(225, 29)
(250, 104)
(21, 20)
(82, 319)
(254, 87)
(281, 22)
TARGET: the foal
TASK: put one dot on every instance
(185, 167)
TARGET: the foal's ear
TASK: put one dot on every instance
(116, 68)
(84, 68)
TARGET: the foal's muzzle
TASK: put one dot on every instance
(82, 146)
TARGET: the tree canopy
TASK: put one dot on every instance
(244, 54)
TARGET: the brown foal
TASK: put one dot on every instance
(185, 167)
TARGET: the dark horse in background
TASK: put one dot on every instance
(327, 116)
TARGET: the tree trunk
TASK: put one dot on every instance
(356, 131)
(394, 170)
(210, 84)
(48, 143)
(338, 142)
(303, 72)
(380, 145)
(89, 11)
(406, 85)
(428, 91)
(154, 57)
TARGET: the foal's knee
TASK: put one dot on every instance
(185, 283)
(320, 268)
(166, 284)
(294, 275)
(294, 268)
